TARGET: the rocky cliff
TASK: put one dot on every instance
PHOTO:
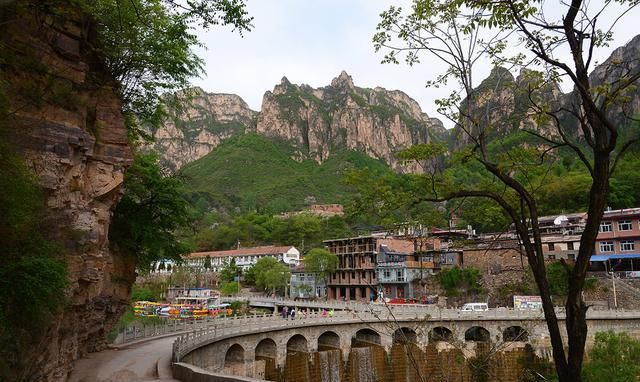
(64, 116)
(341, 115)
(502, 104)
(197, 122)
(317, 121)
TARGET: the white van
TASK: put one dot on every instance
(475, 307)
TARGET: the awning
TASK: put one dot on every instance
(615, 257)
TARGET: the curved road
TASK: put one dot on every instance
(145, 361)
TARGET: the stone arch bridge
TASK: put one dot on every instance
(234, 346)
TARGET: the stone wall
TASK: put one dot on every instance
(65, 117)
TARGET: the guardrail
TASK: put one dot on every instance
(236, 326)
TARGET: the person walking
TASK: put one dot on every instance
(293, 313)
(331, 313)
(285, 312)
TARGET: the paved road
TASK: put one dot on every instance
(146, 361)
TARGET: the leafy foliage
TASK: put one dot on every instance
(264, 178)
(270, 274)
(321, 262)
(229, 288)
(148, 46)
(454, 279)
(149, 215)
(614, 357)
(259, 229)
(33, 272)
(230, 272)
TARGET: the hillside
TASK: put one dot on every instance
(250, 172)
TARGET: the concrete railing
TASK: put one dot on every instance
(223, 328)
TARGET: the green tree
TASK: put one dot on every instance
(148, 46)
(615, 357)
(321, 263)
(230, 288)
(150, 214)
(230, 271)
(462, 34)
(270, 274)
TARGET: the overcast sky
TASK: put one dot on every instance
(312, 41)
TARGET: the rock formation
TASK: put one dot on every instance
(65, 117)
(501, 103)
(318, 121)
(376, 121)
(197, 123)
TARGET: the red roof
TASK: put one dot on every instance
(267, 250)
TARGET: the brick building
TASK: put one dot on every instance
(618, 240)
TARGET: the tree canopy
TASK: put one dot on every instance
(148, 46)
(521, 34)
(151, 212)
(269, 274)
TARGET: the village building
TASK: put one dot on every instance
(243, 257)
(304, 285)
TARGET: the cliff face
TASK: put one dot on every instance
(65, 118)
(318, 121)
(197, 123)
(376, 121)
(501, 104)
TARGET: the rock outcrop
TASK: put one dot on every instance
(65, 117)
(376, 121)
(197, 123)
(502, 103)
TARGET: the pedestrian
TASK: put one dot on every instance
(285, 312)
(331, 313)
(293, 313)
(324, 312)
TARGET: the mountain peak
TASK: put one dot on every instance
(344, 80)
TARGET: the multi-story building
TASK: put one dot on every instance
(303, 283)
(243, 257)
(355, 276)
(618, 241)
(377, 266)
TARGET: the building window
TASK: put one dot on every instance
(572, 256)
(399, 276)
(387, 274)
(606, 246)
(552, 257)
(570, 246)
(624, 225)
(606, 227)
(552, 247)
(627, 245)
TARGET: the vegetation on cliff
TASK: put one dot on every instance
(150, 214)
(253, 173)
(33, 274)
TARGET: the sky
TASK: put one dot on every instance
(311, 42)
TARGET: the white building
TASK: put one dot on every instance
(244, 257)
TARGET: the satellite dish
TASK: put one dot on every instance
(560, 220)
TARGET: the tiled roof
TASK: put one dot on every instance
(267, 250)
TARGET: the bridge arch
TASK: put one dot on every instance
(364, 337)
(266, 349)
(328, 341)
(405, 335)
(515, 334)
(440, 333)
(234, 360)
(477, 334)
(297, 343)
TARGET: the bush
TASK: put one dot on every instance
(615, 357)
(454, 279)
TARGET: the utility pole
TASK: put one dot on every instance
(615, 296)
